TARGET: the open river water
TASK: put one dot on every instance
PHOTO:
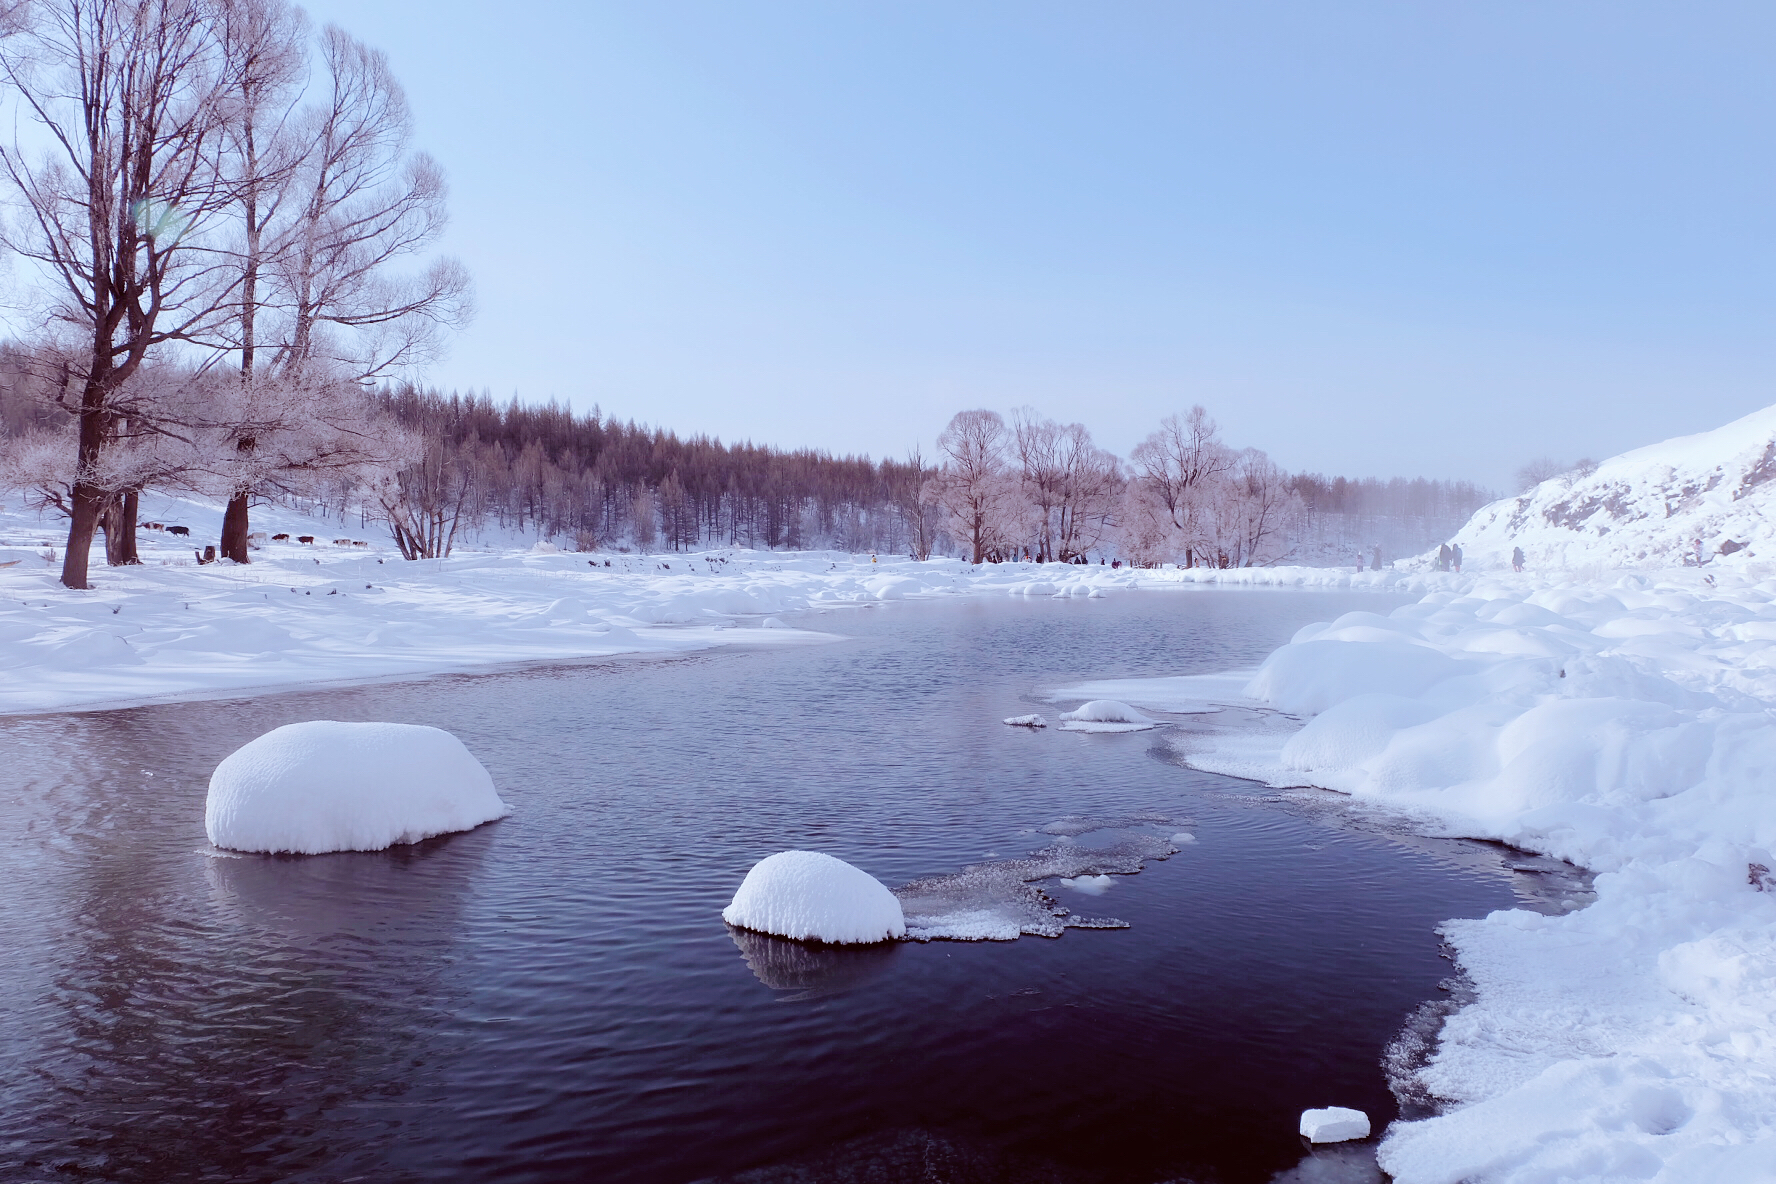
(554, 997)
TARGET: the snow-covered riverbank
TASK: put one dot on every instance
(1627, 725)
(326, 611)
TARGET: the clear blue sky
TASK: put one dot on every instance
(1373, 238)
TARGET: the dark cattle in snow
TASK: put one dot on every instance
(305, 538)
(280, 538)
(179, 530)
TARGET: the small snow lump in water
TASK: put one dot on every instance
(1334, 1124)
(813, 897)
(321, 786)
(1106, 711)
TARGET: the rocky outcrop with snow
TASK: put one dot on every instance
(1653, 507)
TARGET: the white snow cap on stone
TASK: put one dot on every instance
(813, 897)
(1027, 721)
(322, 786)
(1334, 1124)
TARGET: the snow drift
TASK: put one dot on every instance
(813, 897)
(1649, 508)
(322, 786)
(1630, 728)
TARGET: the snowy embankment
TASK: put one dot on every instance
(1656, 507)
(331, 611)
(1628, 727)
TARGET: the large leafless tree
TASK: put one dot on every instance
(126, 99)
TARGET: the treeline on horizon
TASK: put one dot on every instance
(591, 480)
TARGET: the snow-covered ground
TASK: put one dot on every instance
(307, 613)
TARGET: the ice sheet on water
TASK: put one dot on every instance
(1074, 825)
(1001, 901)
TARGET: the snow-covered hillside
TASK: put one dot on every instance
(1649, 508)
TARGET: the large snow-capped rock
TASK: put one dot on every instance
(814, 897)
(323, 786)
(1646, 508)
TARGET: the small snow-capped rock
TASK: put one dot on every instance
(322, 786)
(810, 896)
(1334, 1124)
(1027, 721)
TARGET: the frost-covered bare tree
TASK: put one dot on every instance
(366, 205)
(972, 490)
(266, 44)
(1089, 494)
(1534, 472)
(115, 211)
(916, 509)
(332, 203)
(1179, 469)
(1257, 507)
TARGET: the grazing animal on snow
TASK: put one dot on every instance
(182, 531)
(342, 542)
(305, 538)
(280, 538)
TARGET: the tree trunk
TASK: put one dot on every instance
(234, 529)
(118, 521)
(88, 501)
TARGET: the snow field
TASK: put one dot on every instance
(1628, 727)
(809, 896)
(304, 613)
(321, 786)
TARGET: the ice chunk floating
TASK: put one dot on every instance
(814, 897)
(322, 786)
(1334, 1124)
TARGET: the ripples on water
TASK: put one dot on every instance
(554, 997)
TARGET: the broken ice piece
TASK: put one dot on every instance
(1027, 721)
(1334, 1124)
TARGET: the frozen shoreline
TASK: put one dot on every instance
(318, 614)
(1626, 724)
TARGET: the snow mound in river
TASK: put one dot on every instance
(322, 786)
(814, 897)
(1105, 715)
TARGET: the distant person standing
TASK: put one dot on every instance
(1516, 558)
(1455, 556)
(1376, 565)
(1359, 561)
(1443, 557)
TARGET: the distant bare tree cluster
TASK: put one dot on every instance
(225, 224)
(1544, 468)
(997, 489)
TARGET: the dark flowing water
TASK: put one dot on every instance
(553, 997)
